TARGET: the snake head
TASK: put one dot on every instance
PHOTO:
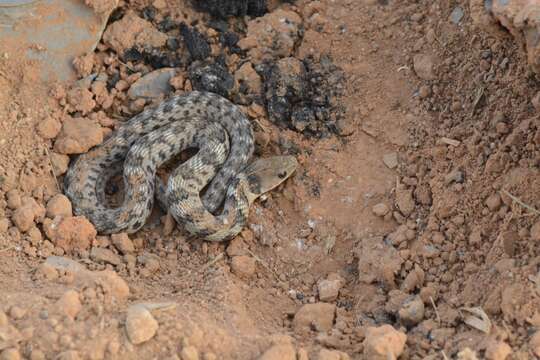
(266, 174)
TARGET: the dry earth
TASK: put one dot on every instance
(410, 229)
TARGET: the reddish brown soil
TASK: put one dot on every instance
(455, 224)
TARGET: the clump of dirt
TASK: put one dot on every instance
(418, 237)
(304, 95)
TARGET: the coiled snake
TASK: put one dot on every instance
(224, 139)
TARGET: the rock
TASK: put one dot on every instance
(509, 240)
(497, 350)
(4, 321)
(23, 218)
(424, 66)
(405, 200)
(59, 205)
(247, 76)
(140, 324)
(383, 343)
(48, 128)
(123, 243)
(535, 231)
(47, 271)
(133, 32)
(494, 202)
(9, 335)
(272, 36)
(236, 247)
(412, 311)
(329, 289)
(13, 199)
(17, 312)
(189, 353)
(318, 316)
(60, 163)
(28, 212)
(64, 264)
(113, 285)
(81, 99)
(196, 43)
(456, 15)
(78, 135)
(69, 304)
(279, 352)
(150, 262)
(380, 209)
(10, 354)
(534, 343)
(4, 225)
(390, 160)
(152, 85)
(213, 77)
(243, 266)
(102, 255)
(325, 354)
(73, 233)
(424, 91)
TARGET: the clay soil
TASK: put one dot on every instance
(422, 206)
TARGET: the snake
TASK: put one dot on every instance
(209, 194)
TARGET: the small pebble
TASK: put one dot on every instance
(140, 324)
(494, 202)
(123, 243)
(384, 342)
(243, 266)
(390, 160)
(59, 205)
(412, 311)
(17, 312)
(380, 209)
(189, 353)
(456, 15)
(69, 303)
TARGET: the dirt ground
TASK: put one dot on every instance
(410, 230)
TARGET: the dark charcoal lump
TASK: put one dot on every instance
(196, 43)
(167, 25)
(304, 95)
(212, 77)
(156, 58)
(226, 8)
(149, 13)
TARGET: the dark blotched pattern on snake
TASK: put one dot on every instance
(224, 139)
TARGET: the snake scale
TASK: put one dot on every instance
(205, 121)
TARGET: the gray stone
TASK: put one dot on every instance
(456, 15)
(390, 160)
(153, 84)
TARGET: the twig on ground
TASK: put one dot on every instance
(518, 201)
(436, 311)
(211, 262)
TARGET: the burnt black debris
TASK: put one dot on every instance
(196, 43)
(158, 58)
(304, 95)
(212, 77)
(226, 8)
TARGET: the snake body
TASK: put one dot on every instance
(209, 122)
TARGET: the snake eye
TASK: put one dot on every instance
(282, 174)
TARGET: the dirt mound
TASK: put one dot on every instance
(410, 230)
